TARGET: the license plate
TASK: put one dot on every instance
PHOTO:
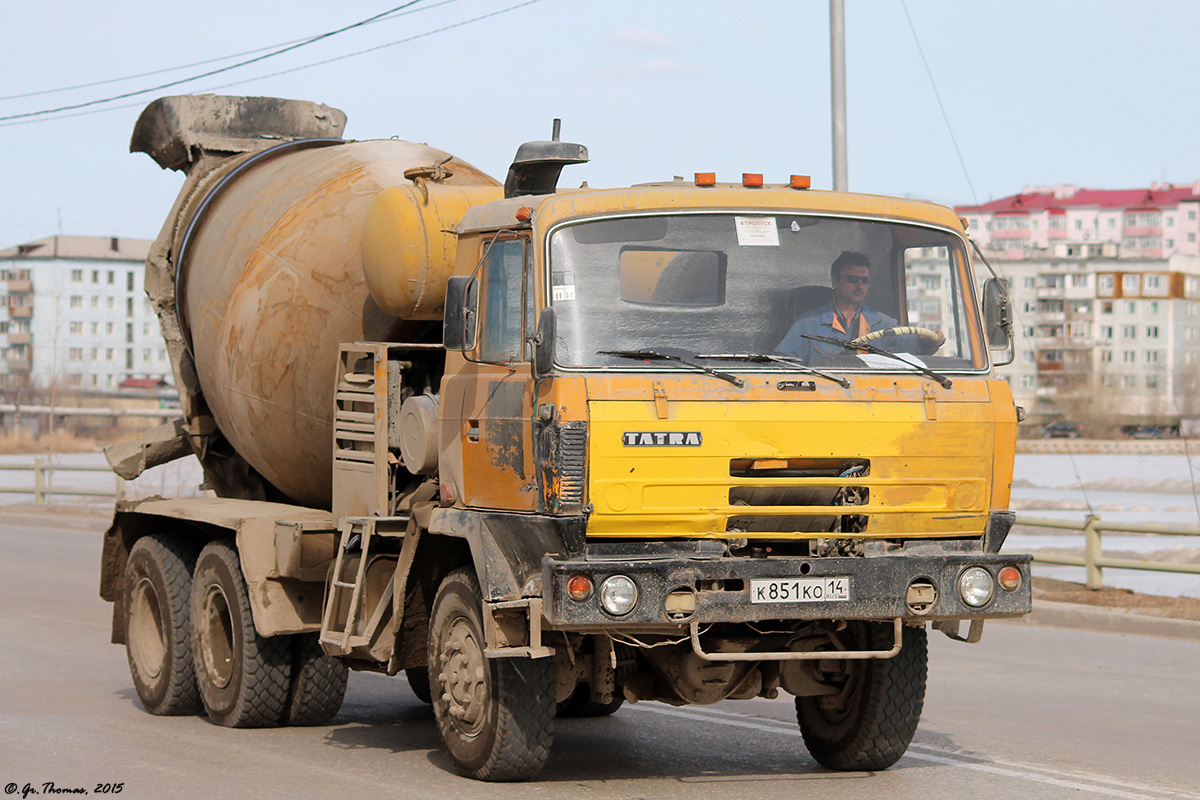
(799, 590)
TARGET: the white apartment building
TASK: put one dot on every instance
(73, 313)
(1106, 294)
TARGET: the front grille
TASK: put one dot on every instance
(815, 487)
(572, 464)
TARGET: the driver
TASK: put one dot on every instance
(848, 317)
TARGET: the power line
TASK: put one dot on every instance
(377, 47)
(216, 60)
(941, 105)
(280, 51)
(286, 71)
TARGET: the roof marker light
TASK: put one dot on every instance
(751, 180)
(800, 182)
(524, 213)
(706, 179)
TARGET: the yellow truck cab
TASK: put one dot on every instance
(720, 509)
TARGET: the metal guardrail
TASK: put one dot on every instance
(72, 411)
(1093, 559)
(43, 488)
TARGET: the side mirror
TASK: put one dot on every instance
(461, 311)
(997, 314)
(543, 342)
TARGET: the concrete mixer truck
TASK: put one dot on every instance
(548, 451)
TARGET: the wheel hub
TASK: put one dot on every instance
(216, 636)
(837, 707)
(463, 676)
(146, 639)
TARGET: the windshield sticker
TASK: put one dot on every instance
(875, 361)
(563, 286)
(757, 231)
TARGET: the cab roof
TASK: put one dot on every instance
(682, 196)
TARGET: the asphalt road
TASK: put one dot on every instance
(1030, 712)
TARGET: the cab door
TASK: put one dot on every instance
(497, 408)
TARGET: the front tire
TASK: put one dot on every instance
(243, 678)
(870, 722)
(158, 642)
(495, 716)
(581, 705)
(418, 681)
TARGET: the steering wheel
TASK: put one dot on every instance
(902, 330)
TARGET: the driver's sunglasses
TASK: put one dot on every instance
(864, 279)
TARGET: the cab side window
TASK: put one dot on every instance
(508, 301)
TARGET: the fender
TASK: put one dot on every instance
(278, 606)
(507, 549)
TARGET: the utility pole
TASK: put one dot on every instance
(837, 73)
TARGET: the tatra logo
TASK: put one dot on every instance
(661, 438)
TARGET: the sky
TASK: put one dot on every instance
(986, 98)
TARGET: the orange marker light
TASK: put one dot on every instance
(751, 180)
(800, 182)
(524, 213)
(965, 222)
(706, 179)
(579, 587)
(1009, 579)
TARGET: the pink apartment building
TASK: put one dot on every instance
(1151, 223)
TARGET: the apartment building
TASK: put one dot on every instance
(73, 313)
(1106, 294)
(1155, 222)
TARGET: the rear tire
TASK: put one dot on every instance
(318, 683)
(158, 642)
(495, 716)
(870, 723)
(243, 677)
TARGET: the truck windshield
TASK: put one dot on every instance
(746, 284)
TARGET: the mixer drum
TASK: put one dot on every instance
(271, 280)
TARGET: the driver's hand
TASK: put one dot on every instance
(941, 339)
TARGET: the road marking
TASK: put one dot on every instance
(1078, 781)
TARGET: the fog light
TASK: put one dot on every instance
(921, 596)
(680, 604)
(975, 586)
(618, 595)
(579, 588)
(1009, 579)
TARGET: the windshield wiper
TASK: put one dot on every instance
(870, 348)
(791, 363)
(676, 355)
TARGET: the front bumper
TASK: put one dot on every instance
(878, 589)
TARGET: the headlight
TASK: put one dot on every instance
(975, 586)
(618, 595)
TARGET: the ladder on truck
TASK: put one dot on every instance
(366, 392)
(341, 634)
